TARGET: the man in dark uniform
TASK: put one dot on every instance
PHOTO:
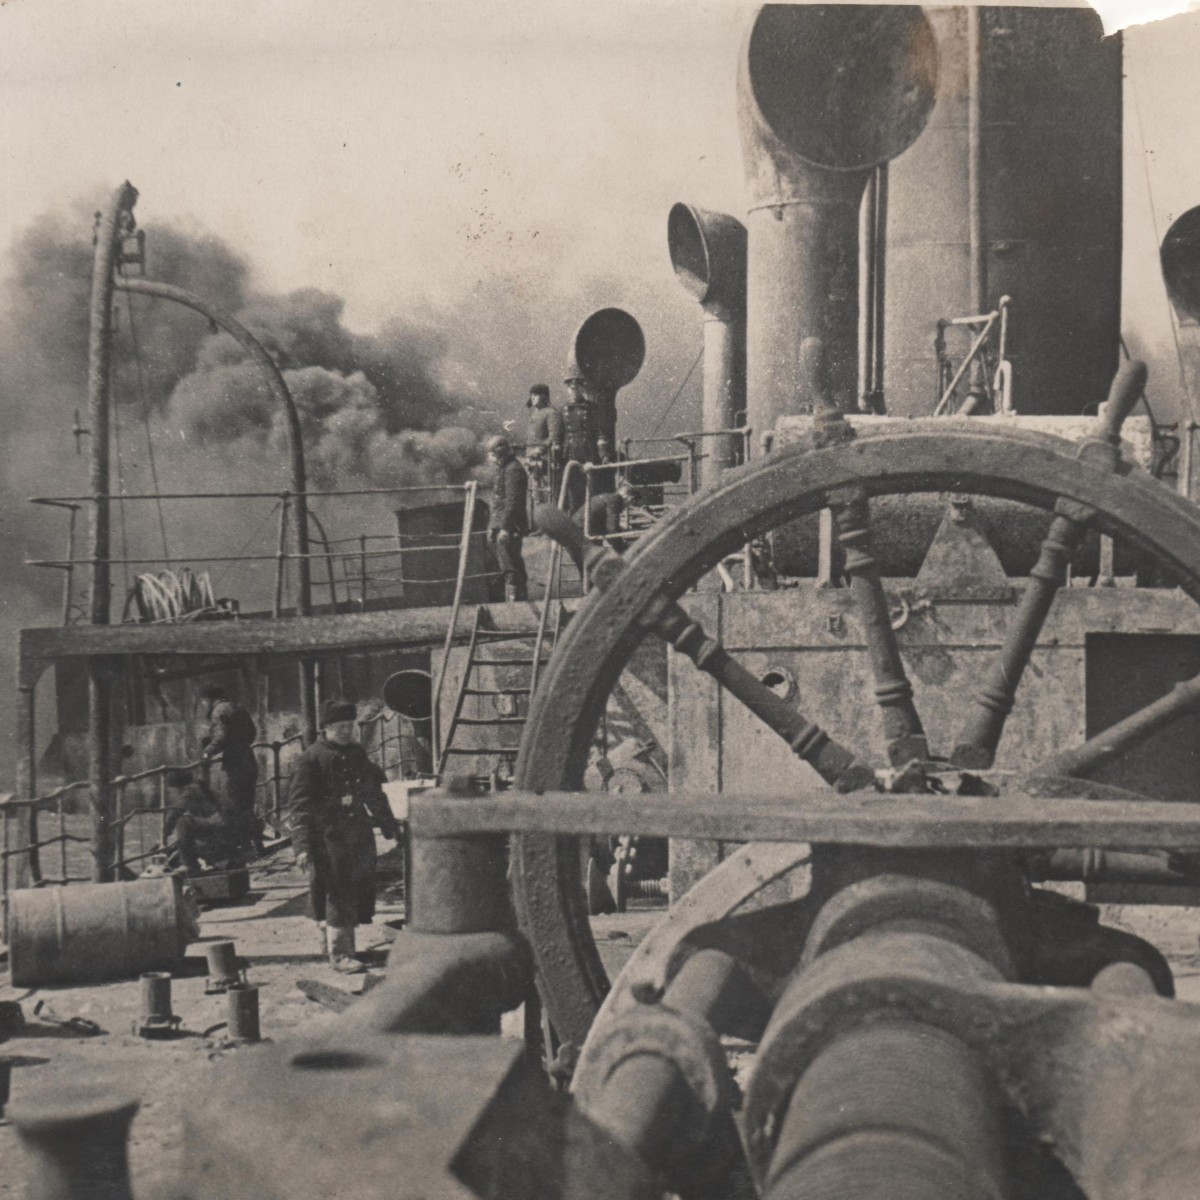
(335, 797)
(580, 435)
(196, 822)
(230, 740)
(510, 517)
(544, 442)
(603, 515)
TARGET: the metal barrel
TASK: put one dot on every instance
(91, 932)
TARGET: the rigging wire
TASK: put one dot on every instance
(241, 549)
(667, 411)
(137, 362)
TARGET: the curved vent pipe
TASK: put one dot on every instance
(708, 252)
(826, 93)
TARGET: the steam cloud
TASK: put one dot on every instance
(404, 406)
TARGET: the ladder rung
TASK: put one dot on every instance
(481, 750)
(490, 721)
(502, 662)
(513, 691)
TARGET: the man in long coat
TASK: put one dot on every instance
(334, 799)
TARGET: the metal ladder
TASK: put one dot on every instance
(481, 641)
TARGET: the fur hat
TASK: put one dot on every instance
(334, 711)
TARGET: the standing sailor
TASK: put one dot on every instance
(336, 795)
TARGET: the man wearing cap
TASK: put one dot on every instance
(334, 799)
(510, 517)
(544, 441)
(230, 741)
(580, 434)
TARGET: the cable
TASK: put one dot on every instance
(667, 411)
(137, 362)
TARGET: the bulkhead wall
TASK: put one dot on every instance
(1050, 117)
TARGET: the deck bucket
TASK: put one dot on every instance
(86, 933)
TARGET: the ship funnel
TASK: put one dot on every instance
(708, 252)
(1180, 256)
(608, 350)
(825, 94)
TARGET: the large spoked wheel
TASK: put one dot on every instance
(1086, 487)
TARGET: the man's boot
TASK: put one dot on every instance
(322, 938)
(341, 950)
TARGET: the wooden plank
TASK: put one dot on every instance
(296, 635)
(1013, 821)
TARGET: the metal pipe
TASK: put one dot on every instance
(825, 94)
(299, 479)
(708, 252)
(109, 230)
(878, 298)
(868, 260)
(975, 228)
(28, 867)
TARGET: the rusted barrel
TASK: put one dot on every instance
(89, 932)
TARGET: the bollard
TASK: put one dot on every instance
(157, 1019)
(77, 1140)
(224, 968)
(243, 1012)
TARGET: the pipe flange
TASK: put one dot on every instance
(687, 1042)
(890, 900)
(885, 976)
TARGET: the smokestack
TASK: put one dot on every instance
(1180, 257)
(708, 252)
(825, 94)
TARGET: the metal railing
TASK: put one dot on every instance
(358, 561)
(981, 326)
(270, 806)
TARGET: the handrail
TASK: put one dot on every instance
(452, 627)
(120, 782)
(551, 571)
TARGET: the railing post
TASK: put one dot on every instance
(276, 783)
(281, 553)
(162, 808)
(30, 871)
(118, 834)
(362, 571)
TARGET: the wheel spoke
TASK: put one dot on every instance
(833, 762)
(893, 692)
(1125, 734)
(991, 704)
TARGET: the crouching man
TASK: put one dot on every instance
(334, 799)
(198, 825)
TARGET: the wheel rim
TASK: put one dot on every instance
(1033, 469)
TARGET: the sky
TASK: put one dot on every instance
(412, 156)
(401, 153)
